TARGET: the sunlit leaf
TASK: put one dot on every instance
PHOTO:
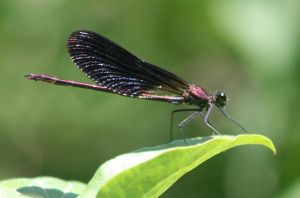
(149, 172)
(47, 187)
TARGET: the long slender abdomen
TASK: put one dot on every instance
(58, 81)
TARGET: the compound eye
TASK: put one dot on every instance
(221, 99)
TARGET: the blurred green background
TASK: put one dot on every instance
(249, 49)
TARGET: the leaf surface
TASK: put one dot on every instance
(150, 171)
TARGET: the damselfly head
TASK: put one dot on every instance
(220, 99)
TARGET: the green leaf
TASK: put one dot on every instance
(149, 172)
(9, 193)
(40, 187)
(146, 172)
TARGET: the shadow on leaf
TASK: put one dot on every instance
(36, 191)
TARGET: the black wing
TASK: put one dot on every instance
(113, 67)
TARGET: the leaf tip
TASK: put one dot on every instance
(262, 140)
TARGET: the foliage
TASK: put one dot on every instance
(146, 172)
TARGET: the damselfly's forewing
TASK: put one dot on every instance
(113, 67)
